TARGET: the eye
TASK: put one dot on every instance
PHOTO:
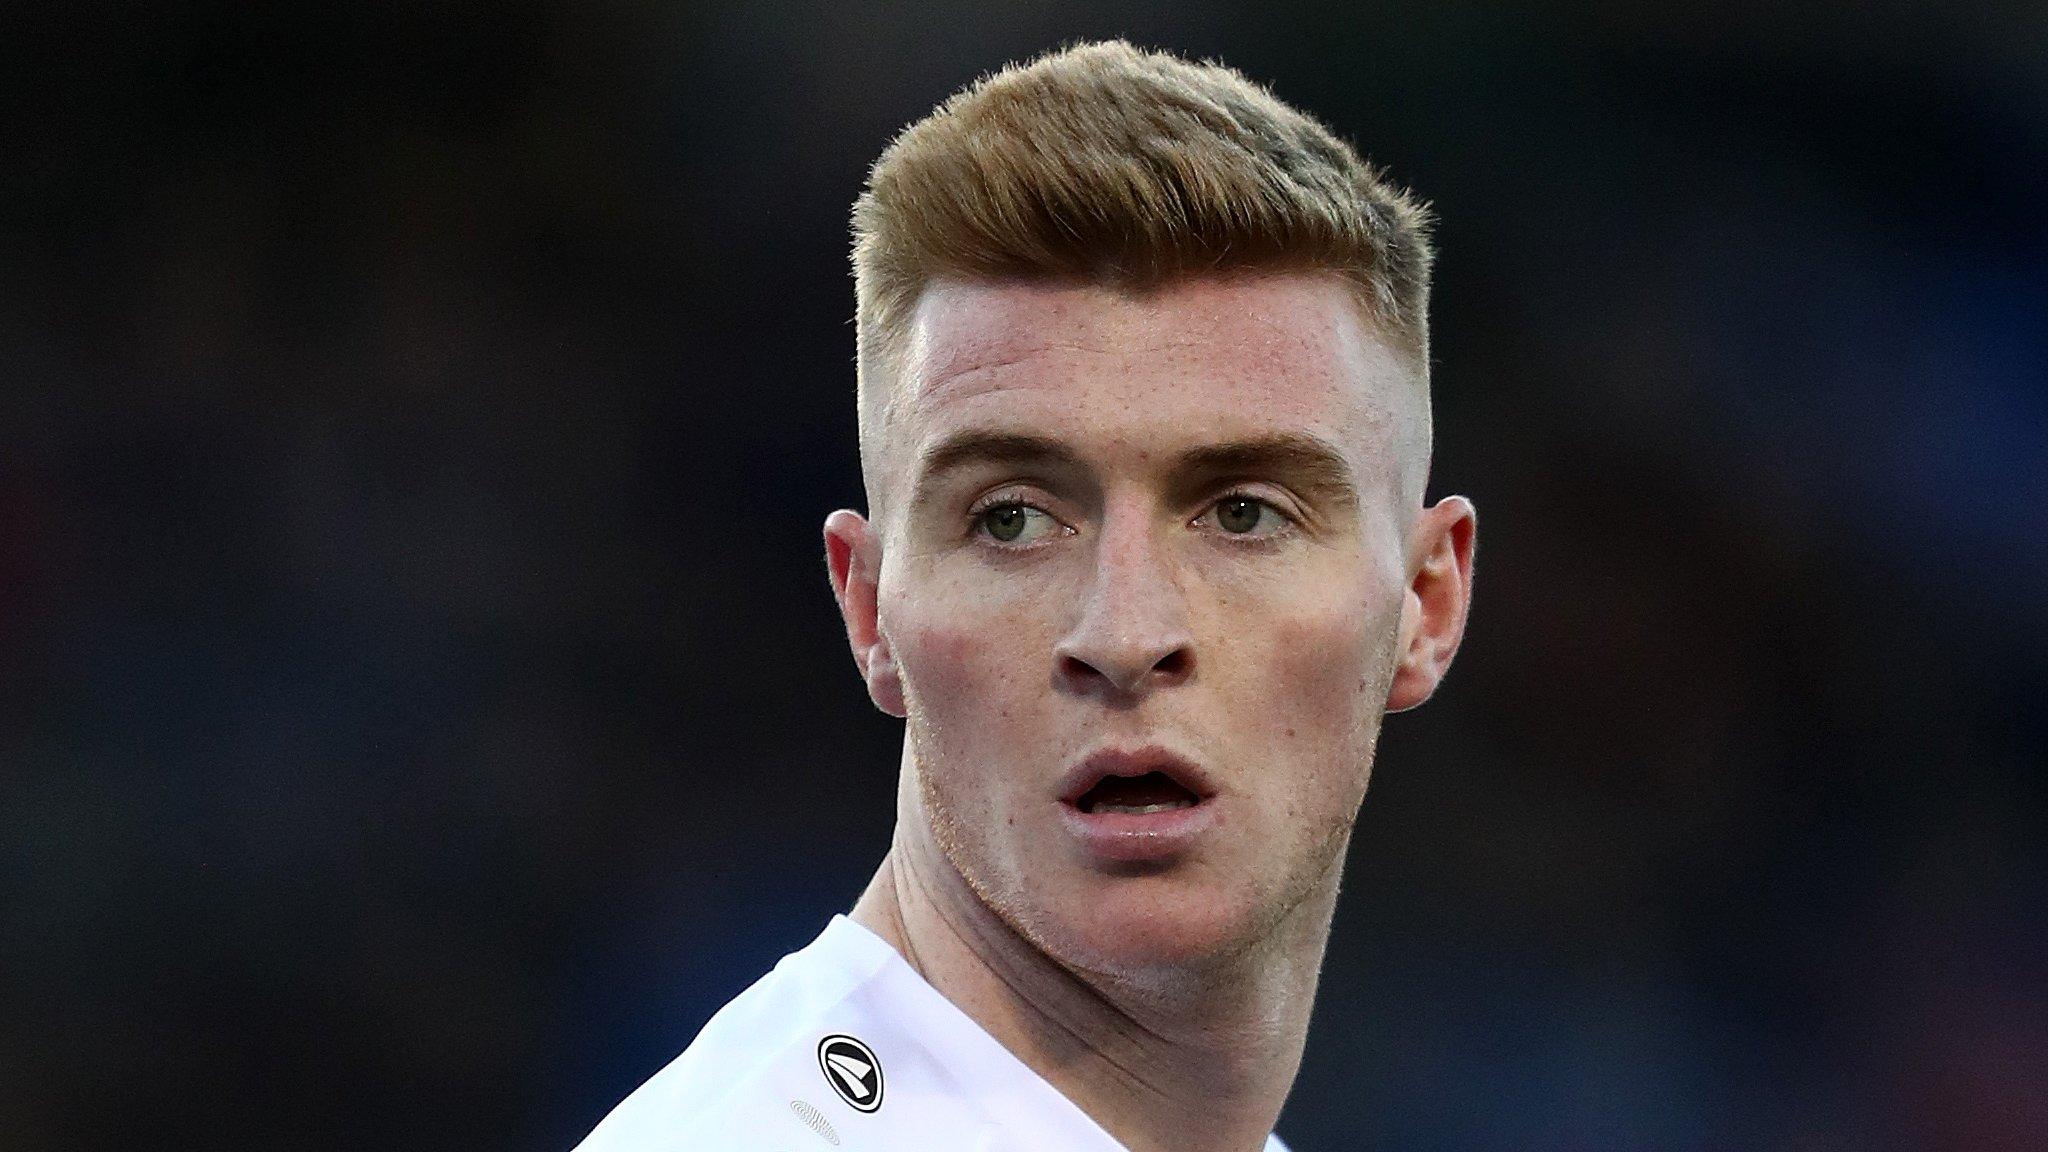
(1013, 522)
(1241, 515)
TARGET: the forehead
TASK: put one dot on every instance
(1299, 328)
(1197, 359)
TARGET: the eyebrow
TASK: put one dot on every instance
(1307, 462)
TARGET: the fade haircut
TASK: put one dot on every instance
(1104, 164)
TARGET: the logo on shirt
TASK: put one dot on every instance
(851, 1069)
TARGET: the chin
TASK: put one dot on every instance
(1137, 927)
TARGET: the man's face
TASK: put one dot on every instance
(1170, 527)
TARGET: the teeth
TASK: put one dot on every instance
(1144, 809)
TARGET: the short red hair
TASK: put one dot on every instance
(1101, 163)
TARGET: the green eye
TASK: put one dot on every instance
(1011, 522)
(1239, 514)
(1005, 521)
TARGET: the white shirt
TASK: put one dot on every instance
(844, 1045)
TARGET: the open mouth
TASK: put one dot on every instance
(1139, 809)
(1136, 795)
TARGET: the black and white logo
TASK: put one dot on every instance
(851, 1069)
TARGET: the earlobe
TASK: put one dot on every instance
(853, 561)
(1436, 602)
(1412, 683)
(885, 686)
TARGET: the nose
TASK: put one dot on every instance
(1132, 632)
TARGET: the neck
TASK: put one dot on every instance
(1198, 1063)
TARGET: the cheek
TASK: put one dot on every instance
(1329, 675)
(957, 657)
(964, 640)
(967, 675)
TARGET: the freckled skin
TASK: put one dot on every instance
(1257, 616)
(1269, 663)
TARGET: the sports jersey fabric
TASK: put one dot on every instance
(843, 1045)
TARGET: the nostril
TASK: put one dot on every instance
(1126, 674)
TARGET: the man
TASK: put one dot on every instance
(1144, 419)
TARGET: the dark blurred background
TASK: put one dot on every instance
(421, 703)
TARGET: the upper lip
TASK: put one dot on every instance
(1102, 763)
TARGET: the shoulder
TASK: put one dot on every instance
(713, 1095)
(752, 1077)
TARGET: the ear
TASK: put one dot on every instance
(853, 559)
(1438, 598)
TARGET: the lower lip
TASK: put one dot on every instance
(1139, 837)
